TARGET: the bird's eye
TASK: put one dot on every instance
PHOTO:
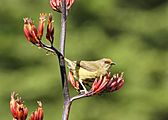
(107, 62)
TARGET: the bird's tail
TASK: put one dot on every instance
(71, 64)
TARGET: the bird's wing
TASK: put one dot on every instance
(88, 65)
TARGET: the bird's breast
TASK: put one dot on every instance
(86, 75)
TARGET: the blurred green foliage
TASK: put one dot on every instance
(134, 33)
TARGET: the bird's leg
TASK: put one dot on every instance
(84, 90)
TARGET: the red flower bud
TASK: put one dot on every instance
(50, 29)
(30, 32)
(19, 111)
(38, 114)
(57, 4)
(74, 83)
(41, 25)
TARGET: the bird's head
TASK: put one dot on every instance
(107, 63)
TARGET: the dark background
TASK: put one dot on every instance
(134, 33)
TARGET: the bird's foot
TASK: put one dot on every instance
(83, 91)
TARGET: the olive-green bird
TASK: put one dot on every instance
(86, 71)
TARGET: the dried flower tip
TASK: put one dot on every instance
(18, 110)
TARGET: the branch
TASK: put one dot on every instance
(88, 94)
(52, 49)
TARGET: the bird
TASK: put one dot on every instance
(87, 71)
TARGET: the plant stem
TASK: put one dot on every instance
(65, 88)
(63, 27)
(67, 100)
(88, 94)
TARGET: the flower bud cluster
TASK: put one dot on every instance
(34, 35)
(20, 111)
(107, 84)
(101, 84)
(57, 4)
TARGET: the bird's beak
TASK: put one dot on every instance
(113, 63)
